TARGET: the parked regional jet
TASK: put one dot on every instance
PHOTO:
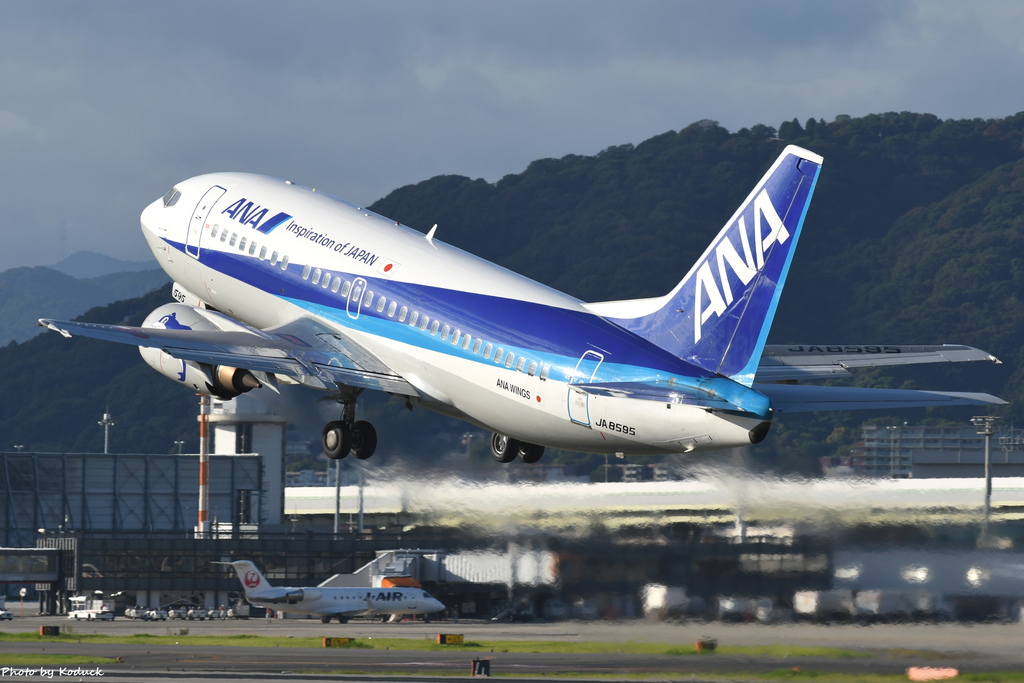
(277, 283)
(332, 603)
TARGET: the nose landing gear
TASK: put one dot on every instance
(340, 437)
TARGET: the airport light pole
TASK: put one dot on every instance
(359, 518)
(107, 422)
(337, 497)
(203, 526)
(984, 425)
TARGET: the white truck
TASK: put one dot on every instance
(239, 611)
(90, 609)
(663, 602)
(818, 606)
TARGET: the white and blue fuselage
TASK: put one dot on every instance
(476, 340)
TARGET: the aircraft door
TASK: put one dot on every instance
(354, 303)
(198, 221)
(579, 400)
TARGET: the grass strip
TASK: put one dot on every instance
(13, 659)
(429, 645)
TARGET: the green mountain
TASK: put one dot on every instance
(57, 389)
(27, 294)
(87, 264)
(913, 237)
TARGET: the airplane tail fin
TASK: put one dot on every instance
(252, 578)
(719, 315)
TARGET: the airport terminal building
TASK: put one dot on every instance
(584, 550)
(124, 525)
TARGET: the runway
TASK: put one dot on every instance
(891, 649)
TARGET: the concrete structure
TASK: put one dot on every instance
(245, 425)
(118, 493)
(590, 548)
(920, 452)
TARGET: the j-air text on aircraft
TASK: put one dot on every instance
(257, 307)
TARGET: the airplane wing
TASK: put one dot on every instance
(791, 398)
(802, 362)
(304, 350)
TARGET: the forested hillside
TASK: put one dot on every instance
(27, 294)
(56, 390)
(914, 236)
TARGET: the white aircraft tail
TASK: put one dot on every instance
(719, 315)
(252, 578)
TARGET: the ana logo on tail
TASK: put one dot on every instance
(717, 292)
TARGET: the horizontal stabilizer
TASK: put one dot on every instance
(790, 398)
(807, 361)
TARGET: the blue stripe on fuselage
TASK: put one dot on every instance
(545, 334)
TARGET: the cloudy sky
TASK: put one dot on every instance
(105, 104)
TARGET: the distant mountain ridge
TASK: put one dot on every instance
(89, 264)
(30, 293)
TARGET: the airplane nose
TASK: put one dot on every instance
(150, 216)
(436, 605)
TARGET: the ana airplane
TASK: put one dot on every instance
(332, 603)
(277, 283)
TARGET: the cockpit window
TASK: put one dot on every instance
(171, 198)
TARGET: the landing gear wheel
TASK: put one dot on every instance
(326, 619)
(530, 453)
(364, 439)
(504, 448)
(337, 440)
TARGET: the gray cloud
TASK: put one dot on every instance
(103, 105)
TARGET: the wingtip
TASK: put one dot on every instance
(51, 325)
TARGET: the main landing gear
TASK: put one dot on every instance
(506, 449)
(346, 435)
(326, 618)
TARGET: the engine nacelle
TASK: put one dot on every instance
(222, 381)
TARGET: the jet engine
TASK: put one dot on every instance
(222, 381)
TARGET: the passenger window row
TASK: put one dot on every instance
(403, 314)
(232, 237)
(343, 288)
